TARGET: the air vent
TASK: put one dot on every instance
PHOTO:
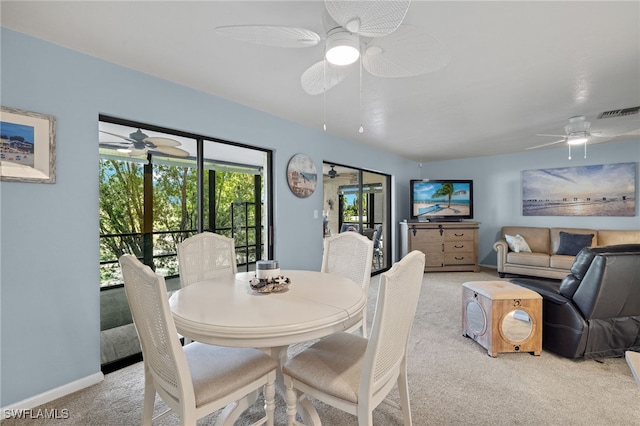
(619, 112)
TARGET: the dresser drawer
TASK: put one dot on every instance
(459, 235)
(459, 246)
(462, 258)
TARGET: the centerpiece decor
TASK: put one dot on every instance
(268, 278)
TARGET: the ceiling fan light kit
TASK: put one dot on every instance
(343, 47)
(577, 138)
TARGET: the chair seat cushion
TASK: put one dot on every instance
(331, 365)
(218, 371)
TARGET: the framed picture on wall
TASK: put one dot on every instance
(302, 175)
(598, 190)
(27, 146)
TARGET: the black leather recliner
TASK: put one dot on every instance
(594, 312)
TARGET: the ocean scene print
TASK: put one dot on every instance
(598, 190)
(16, 143)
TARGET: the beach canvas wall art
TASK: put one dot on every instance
(598, 190)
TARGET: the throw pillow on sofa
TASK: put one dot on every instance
(571, 244)
(517, 243)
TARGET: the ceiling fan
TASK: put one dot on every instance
(578, 132)
(369, 30)
(138, 143)
(332, 173)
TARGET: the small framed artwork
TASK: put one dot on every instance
(302, 175)
(27, 146)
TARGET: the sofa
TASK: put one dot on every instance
(552, 250)
(118, 336)
(594, 312)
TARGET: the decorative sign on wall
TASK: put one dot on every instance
(301, 175)
(600, 190)
(27, 146)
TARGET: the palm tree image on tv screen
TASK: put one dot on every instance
(441, 200)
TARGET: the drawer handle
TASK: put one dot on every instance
(459, 258)
(459, 235)
(459, 246)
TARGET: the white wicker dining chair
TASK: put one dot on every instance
(350, 255)
(198, 379)
(204, 256)
(355, 374)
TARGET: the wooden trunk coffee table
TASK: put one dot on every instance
(502, 317)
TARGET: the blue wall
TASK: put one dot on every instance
(498, 191)
(49, 233)
(49, 294)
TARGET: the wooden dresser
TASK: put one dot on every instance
(448, 246)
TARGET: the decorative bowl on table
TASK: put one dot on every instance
(269, 284)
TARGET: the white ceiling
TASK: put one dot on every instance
(516, 68)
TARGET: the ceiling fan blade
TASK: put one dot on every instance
(171, 150)
(599, 139)
(125, 147)
(126, 138)
(553, 136)
(322, 76)
(368, 18)
(404, 53)
(160, 141)
(290, 37)
(547, 144)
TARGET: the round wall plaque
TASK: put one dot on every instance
(301, 175)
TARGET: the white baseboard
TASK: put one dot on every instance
(56, 393)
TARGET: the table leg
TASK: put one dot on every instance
(306, 410)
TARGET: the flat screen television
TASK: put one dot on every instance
(441, 200)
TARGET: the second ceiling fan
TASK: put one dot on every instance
(138, 143)
(578, 132)
(369, 30)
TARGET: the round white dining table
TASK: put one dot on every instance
(225, 311)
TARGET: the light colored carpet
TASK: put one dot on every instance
(452, 381)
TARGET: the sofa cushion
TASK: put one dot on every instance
(609, 238)
(560, 261)
(537, 238)
(571, 244)
(517, 243)
(528, 259)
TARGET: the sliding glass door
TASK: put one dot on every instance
(158, 187)
(357, 200)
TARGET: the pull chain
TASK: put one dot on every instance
(361, 129)
(324, 95)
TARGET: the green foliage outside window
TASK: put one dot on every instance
(175, 209)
